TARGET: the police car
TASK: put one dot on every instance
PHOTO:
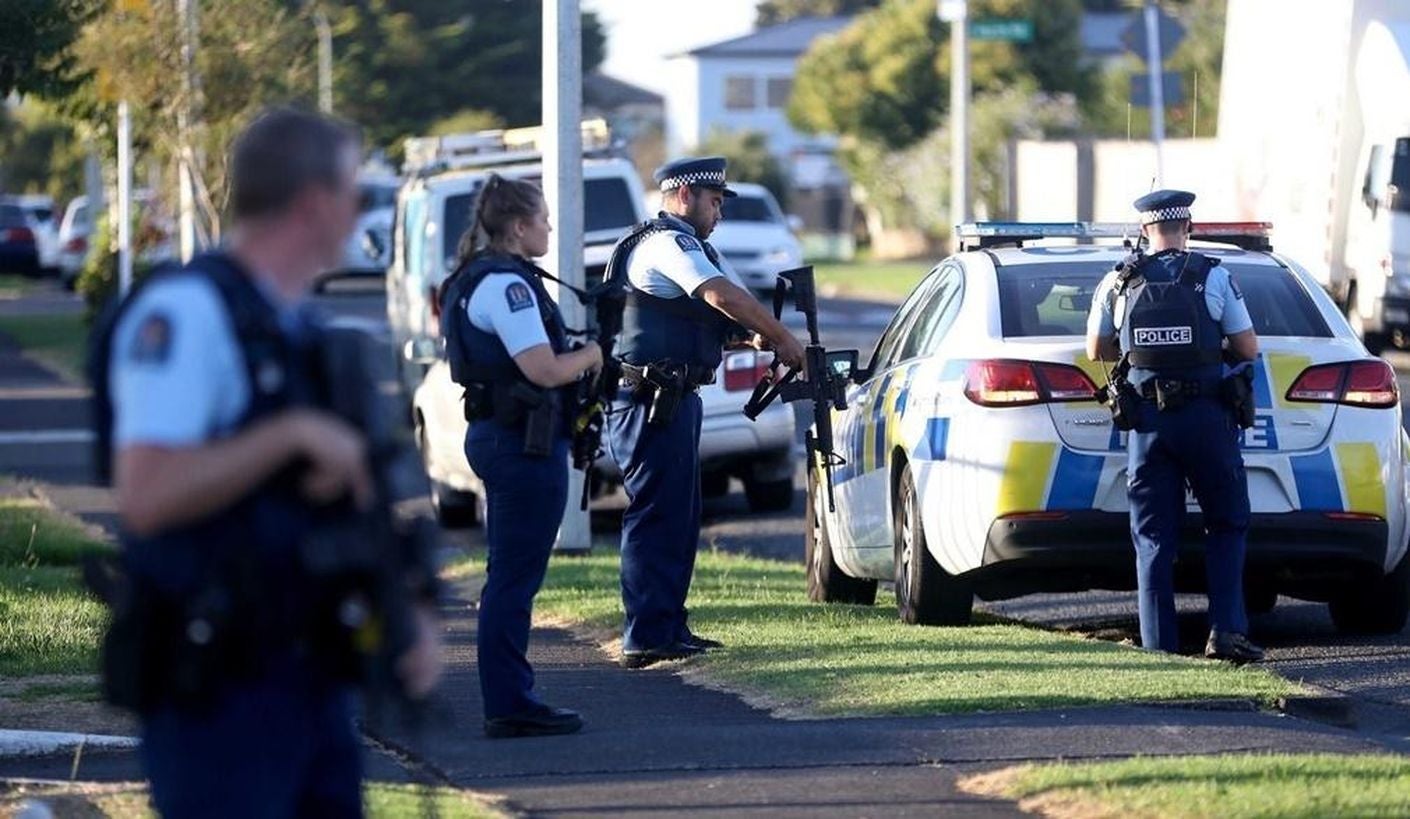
(977, 462)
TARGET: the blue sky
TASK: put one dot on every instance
(642, 33)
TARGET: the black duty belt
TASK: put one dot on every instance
(1179, 387)
(667, 374)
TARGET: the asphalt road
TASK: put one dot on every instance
(41, 423)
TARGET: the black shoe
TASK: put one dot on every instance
(1235, 648)
(702, 643)
(542, 721)
(651, 656)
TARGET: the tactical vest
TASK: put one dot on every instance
(681, 330)
(1163, 318)
(477, 356)
(238, 570)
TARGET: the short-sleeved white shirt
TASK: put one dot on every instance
(671, 264)
(505, 305)
(1221, 296)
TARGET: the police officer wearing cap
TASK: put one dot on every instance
(684, 305)
(507, 345)
(222, 469)
(1176, 317)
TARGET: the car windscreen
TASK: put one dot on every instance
(608, 206)
(11, 216)
(373, 197)
(748, 209)
(1054, 299)
(42, 213)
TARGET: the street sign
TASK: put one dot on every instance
(1013, 31)
(1170, 84)
(1171, 35)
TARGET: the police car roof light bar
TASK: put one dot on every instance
(981, 235)
(435, 154)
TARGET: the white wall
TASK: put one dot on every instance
(1046, 176)
(695, 103)
(682, 105)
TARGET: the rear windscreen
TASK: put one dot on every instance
(607, 206)
(1054, 299)
(747, 209)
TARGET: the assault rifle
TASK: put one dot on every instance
(827, 375)
(607, 301)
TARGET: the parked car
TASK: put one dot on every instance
(756, 237)
(979, 463)
(19, 250)
(368, 250)
(75, 232)
(39, 212)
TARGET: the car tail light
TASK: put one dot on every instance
(77, 244)
(17, 234)
(1354, 383)
(1005, 383)
(744, 370)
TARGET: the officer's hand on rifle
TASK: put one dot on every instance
(420, 667)
(789, 351)
(594, 358)
(337, 458)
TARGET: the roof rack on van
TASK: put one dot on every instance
(981, 235)
(434, 154)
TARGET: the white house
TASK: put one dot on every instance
(743, 85)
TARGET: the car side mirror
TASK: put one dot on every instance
(424, 351)
(842, 363)
(372, 244)
(795, 222)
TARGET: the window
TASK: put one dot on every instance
(749, 209)
(373, 196)
(740, 93)
(459, 210)
(887, 346)
(932, 325)
(778, 91)
(608, 205)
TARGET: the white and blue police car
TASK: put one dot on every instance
(977, 462)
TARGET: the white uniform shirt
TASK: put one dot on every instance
(669, 265)
(1221, 296)
(177, 375)
(503, 304)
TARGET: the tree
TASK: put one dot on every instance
(773, 12)
(39, 152)
(750, 159)
(36, 40)
(406, 64)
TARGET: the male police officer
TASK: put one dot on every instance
(216, 469)
(682, 306)
(1169, 313)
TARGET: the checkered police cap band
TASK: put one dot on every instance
(1150, 217)
(700, 178)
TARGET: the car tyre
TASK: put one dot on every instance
(714, 484)
(453, 509)
(926, 594)
(1260, 598)
(769, 496)
(1381, 608)
(827, 583)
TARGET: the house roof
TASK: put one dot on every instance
(609, 93)
(788, 39)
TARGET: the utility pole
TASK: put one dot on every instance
(124, 202)
(1154, 63)
(186, 13)
(956, 13)
(325, 61)
(563, 189)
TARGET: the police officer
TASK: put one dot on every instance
(683, 305)
(1177, 316)
(507, 345)
(216, 466)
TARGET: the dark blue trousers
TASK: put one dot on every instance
(278, 747)
(661, 528)
(1199, 444)
(525, 497)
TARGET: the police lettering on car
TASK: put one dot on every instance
(683, 306)
(223, 468)
(1183, 334)
(507, 346)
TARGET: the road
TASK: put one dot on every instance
(42, 424)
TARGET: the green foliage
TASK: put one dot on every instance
(773, 12)
(39, 153)
(98, 281)
(750, 159)
(403, 65)
(468, 120)
(36, 40)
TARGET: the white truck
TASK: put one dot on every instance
(1314, 111)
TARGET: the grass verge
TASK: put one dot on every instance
(58, 341)
(1228, 787)
(13, 285)
(806, 659)
(887, 281)
(49, 624)
(382, 800)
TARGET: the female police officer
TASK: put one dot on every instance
(507, 345)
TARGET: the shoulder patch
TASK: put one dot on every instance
(519, 297)
(152, 343)
(688, 243)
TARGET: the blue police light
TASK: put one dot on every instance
(1251, 235)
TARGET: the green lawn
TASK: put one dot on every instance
(1228, 787)
(12, 286)
(843, 660)
(49, 624)
(889, 281)
(60, 341)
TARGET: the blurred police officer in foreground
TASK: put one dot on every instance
(508, 346)
(684, 304)
(219, 469)
(1170, 314)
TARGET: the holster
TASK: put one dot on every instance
(1123, 401)
(521, 406)
(1237, 393)
(660, 385)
